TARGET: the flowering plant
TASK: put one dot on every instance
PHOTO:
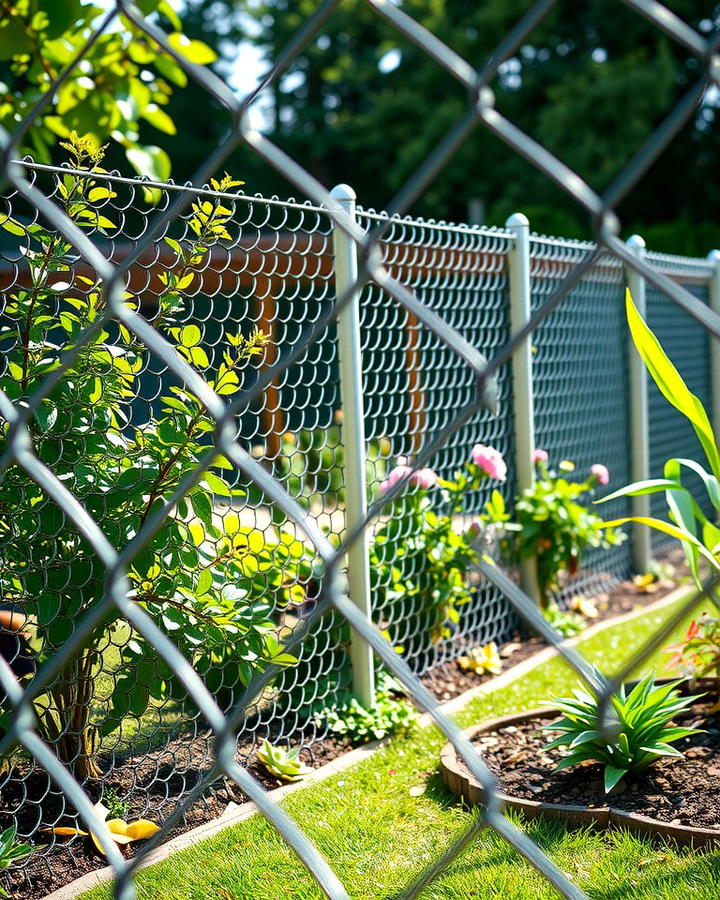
(697, 654)
(420, 558)
(481, 660)
(551, 523)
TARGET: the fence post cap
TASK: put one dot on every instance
(714, 256)
(518, 220)
(636, 242)
(343, 192)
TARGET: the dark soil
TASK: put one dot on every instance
(677, 791)
(155, 782)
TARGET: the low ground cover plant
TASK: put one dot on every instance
(551, 523)
(564, 621)
(283, 762)
(392, 714)
(642, 723)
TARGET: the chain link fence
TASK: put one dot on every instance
(173, 494)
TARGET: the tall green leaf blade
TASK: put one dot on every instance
(667, 528)
(671, 383)
(648, 486)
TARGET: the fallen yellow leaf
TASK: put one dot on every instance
(584, 605)
(121, 831)
(142, 829)
(65, 831)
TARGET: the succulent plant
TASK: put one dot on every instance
(283, 763)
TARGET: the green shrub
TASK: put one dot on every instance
(206, 579)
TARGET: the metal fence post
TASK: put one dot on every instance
(714, 300)
(353, 437)
(639, 419)
(520, 311)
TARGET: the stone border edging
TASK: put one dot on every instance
(234, 816)
(463, 784)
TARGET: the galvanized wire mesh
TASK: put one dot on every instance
(445, 359)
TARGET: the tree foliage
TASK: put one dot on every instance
(119, 90)
(208, 579)
(363, 104)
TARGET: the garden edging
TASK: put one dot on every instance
(233, 816)
(464, 785)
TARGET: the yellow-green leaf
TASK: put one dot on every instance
(197, 532)
(671, 383)
(667, 528)
(190, 335)
(195, 51)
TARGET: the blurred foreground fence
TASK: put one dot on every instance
(174, 516)
(274, 268)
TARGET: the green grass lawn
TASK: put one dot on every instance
(377, 834)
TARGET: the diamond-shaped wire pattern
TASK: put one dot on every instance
(423, 286)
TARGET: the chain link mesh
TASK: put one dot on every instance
(434, 307)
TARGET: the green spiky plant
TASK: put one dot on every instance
(640, 720)
(10, 852)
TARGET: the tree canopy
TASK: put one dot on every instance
(119, 91)
(364, 105)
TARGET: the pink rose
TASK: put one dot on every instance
(539, 456)
(423, 478)
(490, 461)
(601, 473)
(397, 473)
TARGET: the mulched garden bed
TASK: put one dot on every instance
(155, 782)
(673, 791)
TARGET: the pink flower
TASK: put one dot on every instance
(397, 473)
(490, 461)
(423, 478)
(540, 456)
(601, 473)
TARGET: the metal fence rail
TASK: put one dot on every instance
(435, 323)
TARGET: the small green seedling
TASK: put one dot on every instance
(116, 805)
(285, 764)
